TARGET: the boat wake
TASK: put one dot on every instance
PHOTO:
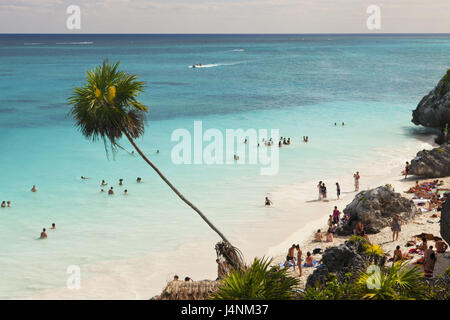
(212, 65)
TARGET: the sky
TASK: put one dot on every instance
(225, 16)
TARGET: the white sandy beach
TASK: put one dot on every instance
(296, 213)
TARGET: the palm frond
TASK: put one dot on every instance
(106, 105)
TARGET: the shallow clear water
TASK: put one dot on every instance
(300, 84)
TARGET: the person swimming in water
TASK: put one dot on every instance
(34, 189)
(125, 192)
(157, 151)
(8, 204)
(3, 204)
(138, 179)
(120, 182)
(84, 178)
(111, 191)
(268, 202)
(43, 234)
(103, 183)
(53, 226)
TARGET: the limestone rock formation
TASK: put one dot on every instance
(375, 208)
(343, 258)
(434, 108)
(433, 163)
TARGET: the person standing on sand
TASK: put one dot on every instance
(319, 187)
(406, 169)
(356, 176)
(299, 259)
(267, 202)
(395, 227)
(338, 190)
(336, 215)
(324, 191)
(290, 256)
(429, 260)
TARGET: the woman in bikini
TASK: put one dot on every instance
(395, 227)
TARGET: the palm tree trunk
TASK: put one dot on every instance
(178, 193)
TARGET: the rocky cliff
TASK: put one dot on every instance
(433, 163)
(445, 221)
(375, 208)
(434, 109)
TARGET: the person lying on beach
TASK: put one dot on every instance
(34, 189)
(43, 234)
(299, 258)
(318, 236)
(111, 191)
(267, 202)
(424, 245)
(290, 256)
(441, 246)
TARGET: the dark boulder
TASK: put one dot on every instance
(433, 163)
(445, 221)
(375, 208)
(434, 108)
(340, 259)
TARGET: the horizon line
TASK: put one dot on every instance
(224, 33)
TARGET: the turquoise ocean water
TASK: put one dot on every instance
(300, 84)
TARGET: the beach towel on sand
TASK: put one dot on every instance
(314, 265)
(290, 264)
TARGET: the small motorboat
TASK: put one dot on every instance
(197, 65)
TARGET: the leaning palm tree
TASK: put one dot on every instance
(106, 108)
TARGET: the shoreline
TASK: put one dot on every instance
(294, 198)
